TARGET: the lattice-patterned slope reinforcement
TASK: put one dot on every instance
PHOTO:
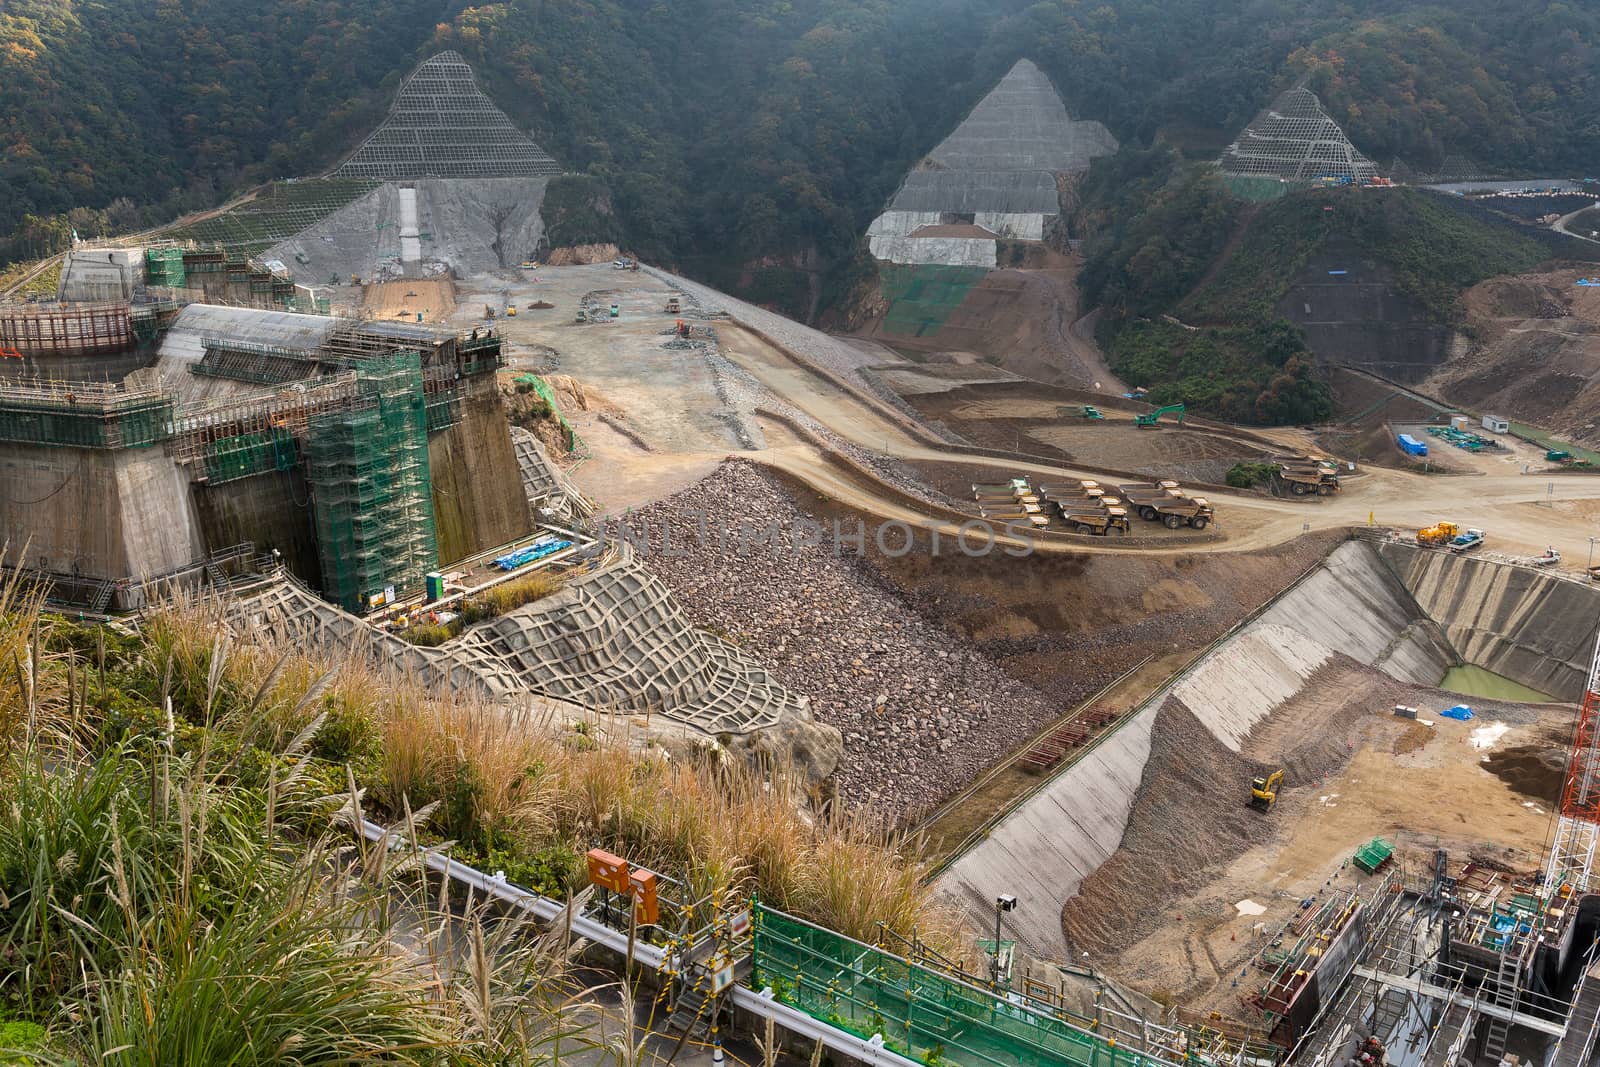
(443, 126)
(1296, 140)
(997, 171)
(613, 640)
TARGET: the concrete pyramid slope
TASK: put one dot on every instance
(441, 125)
(1296, 140)
(1022, 125)
(997, 170)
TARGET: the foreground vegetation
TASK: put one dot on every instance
(179, 884)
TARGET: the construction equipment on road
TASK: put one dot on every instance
(1193, 511)
(1308, 475)
(1264, 790)
(674, 304)
(1151, 418)
(1144, 496)
(1437, 535)
(1106, 521)
(1558, 455)
(1089, 411)
(1467, 542)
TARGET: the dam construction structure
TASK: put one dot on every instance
(1142, 860)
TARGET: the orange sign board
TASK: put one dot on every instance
(646, 909)
(608, 871)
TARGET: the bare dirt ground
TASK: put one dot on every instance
(1535, 356)
(1162, 915)
(435, 299)
(1027, 322)
(674, 404)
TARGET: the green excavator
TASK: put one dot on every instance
(1153, 417)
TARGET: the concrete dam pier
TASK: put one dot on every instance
(1407, 612)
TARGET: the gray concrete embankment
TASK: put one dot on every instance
(1530, 626)
(1042, 850)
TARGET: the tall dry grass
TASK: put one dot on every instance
(522, 785)
(172, 896)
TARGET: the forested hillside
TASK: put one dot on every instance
(735, 132)
(1190, 280)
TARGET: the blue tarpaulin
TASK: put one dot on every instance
(1460, 711)
(545, 546)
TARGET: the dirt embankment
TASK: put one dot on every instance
(1020, 317)
(1532, 353)
(526, 408)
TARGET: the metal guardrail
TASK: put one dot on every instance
(760, 1003)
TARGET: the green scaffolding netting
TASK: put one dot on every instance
(921, 1013)
(372, 493)
(922, 297)
(63, 421)
(247, 454)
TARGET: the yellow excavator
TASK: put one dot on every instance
(1264, 790)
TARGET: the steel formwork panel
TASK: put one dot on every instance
(80, 330)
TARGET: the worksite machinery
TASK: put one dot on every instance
(1305, 477)
(1437, 535)
(1264, 790)
(1153, 417)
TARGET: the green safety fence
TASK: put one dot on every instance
(921, 1013)
(1534, 435)
(922, 297)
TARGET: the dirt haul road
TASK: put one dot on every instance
(1511, 508)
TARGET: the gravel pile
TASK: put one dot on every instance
(921, 713)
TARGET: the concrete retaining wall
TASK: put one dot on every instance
(1042, 851)
(96, 513)
(478, 498)
(1532, 627)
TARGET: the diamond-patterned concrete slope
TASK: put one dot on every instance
(442, 126)
(1022, 125)
(1295, 139)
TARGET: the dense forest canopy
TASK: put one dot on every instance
(745, 130)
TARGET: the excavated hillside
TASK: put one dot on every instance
(1531, 352)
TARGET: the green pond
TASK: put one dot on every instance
(1475, 681)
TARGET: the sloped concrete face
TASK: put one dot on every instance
(1352, 605)
(1023, 125)
(466, 225)
(1532, 627)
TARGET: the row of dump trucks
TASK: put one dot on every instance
(1087, 507)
